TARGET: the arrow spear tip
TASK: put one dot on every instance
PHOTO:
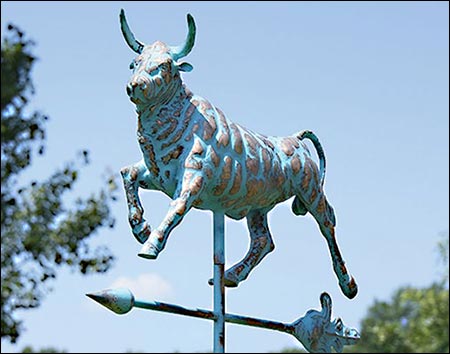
(119, 300)
(94, 297)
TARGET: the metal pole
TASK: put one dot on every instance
(219, 286)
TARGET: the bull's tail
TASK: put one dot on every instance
(308, 134)
(298, 207)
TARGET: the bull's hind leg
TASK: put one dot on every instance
(260, 245)
(324, 215)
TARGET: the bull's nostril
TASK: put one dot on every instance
(130, 87)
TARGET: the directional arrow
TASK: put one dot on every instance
(315, 330)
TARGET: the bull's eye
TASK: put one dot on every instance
(164, 66)
(339, 325)
(132, 65)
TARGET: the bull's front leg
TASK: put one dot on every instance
(191, 186)
(135, 176)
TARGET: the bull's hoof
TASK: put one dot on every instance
(140, 238)
(148, 251)
(229, 282)
(147, 255)
(142, 232)
(351, 289)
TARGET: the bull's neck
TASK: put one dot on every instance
(155, 118)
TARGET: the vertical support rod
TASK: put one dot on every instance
(219, 286)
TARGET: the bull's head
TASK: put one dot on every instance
(318, 333)
(156, 70)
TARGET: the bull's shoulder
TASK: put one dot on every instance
(202, 116)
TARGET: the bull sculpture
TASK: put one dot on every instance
(200, 159)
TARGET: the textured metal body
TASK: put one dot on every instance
(201, 159)
(314, 330)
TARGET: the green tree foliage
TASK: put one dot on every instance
(413, 321)
(443, 249)
(38, 232)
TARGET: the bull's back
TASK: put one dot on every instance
(244, 170)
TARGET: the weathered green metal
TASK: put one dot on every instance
(134, 44)
(119, 300)
(219, 286)
(201, 159)
(314, 330)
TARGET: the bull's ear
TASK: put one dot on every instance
(325, 301)
(185, 67)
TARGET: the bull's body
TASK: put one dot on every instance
(244, 170)
(200, 159)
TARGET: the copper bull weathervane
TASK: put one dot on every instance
(201, 159)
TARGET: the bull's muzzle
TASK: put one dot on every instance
(136, 88)
(130, 88)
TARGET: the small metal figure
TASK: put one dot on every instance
(314, 330)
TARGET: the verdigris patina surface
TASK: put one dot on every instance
(315, 330)
(203, 160)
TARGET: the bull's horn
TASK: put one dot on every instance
(325, 301)
(129, 36)
(182, 51)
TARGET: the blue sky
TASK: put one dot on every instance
(370, 79)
